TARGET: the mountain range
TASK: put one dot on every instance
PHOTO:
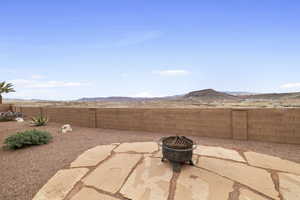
(204, 95)
(201, 95)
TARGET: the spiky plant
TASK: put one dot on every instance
(39, 121)
(5, 88)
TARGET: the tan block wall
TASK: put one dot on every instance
(240, 124)
(74, 116)
(93, 118)
(200, 122)
(30, 112)
(5, 107)
(274, 125)
(270, 125)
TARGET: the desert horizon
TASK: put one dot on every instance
(207, 98)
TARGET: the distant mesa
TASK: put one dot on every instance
(211, 95)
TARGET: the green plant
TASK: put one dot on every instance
(39, 121)
(5, 88)
(27, 138)
(9, 116)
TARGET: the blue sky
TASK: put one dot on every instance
(67, 49)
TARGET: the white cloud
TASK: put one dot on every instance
(35, 93)
(176, 72)
(290, 85)
(24, 83)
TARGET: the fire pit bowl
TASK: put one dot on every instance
(178, 150)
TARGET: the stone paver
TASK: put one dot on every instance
(111, 174)
(149, 181)
(158, 154)
(139, 147)
(246, 194)
(271, 162)
(199, 184)
(255, 178)
(93, 156)
(135, 171)
(60, 184)
(289, 186)
(219, 152)
(91, 194)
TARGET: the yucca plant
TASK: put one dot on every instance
(39, 121)
(5, 88)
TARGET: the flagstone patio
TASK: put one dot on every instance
(135, 171)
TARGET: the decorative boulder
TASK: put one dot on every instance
(19, 119)
(66, 128)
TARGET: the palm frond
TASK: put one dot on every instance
(6, 87)
(2, 84)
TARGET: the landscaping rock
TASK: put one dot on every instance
(139, 147)
(150, 180)
(255, 178)
(197, 184)
(272, 162)
(93, 156)
(66, 128)
(289, 186)
(19, 119)
(246, 194)
(219, 152)
(91, 194)
(60, 184)
(110, 175)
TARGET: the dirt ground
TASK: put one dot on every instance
(23, 172)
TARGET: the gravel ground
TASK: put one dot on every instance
(23, 172)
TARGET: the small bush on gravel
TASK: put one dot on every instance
(27, 138)
(9, 116)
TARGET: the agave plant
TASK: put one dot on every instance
(39, 121)
(5, 88)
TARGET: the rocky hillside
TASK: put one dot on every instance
(210, 95)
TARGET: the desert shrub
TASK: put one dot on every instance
(27, 138)
(9, 116)
(39, 121)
